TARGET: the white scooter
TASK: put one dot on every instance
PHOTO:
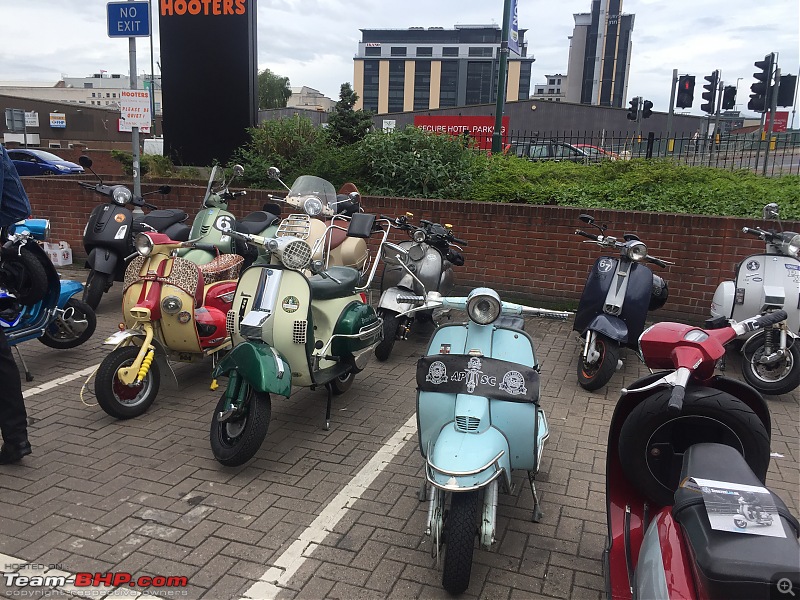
(765, 283)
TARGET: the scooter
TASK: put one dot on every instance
(173, 310)
(762, 283)
(614, 304)
(750, 512)
(291, 330)
(667, 429)
(478, 417)
(109, 234)
(58, 319)
(430, 256)
(212, 225)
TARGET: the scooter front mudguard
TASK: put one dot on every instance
(460, 461)
(609, 326)
(261, 366)
(103, 260)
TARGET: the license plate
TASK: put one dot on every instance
(117, 337)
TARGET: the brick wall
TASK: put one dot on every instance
(530, 252)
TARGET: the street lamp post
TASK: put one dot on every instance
(497, 138)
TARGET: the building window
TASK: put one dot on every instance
(480, 82)
(559, 81)
(88, 85)
(481, 52)
(551, 82)
(558, 90)
(424, 51)
(398, 51)
(422, 85)
(550, 91)
(449, 51)
(448, 88)
(372, 51)
(397, 77)
(540, 90)
(114, 95)
(371, 78)
(108, 95)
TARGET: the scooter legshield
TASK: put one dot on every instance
(262, 367)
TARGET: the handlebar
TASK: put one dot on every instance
(675, 404)
(586, 235)
(459, 241)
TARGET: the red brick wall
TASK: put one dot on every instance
(530, 252)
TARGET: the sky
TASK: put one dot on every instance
(313, 42)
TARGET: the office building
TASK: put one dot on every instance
(554, 88)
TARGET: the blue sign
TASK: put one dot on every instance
(513, 30)
(128, 19)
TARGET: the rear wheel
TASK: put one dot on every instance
(123, 401)
(391, 322)
(593, 376)
(237, 440)
(74, 325)
(96, 285)
(779, 377)
(460, 528)
(652, 440)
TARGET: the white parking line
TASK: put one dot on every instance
(296, 554)
(57, 382)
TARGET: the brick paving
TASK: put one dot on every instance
(146, 495)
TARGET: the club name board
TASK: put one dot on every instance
(203, 7)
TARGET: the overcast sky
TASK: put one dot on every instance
(313, 41)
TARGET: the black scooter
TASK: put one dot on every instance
(617, 296)
(112, 227)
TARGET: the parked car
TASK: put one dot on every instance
(596, 153)
(538, 150)
(29, 161)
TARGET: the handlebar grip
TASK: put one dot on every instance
(586, 235)
(460, 241)
(411, 299)
(207, 247)
(675, 404)
(770, 319)
(656, 261)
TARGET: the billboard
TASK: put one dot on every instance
(478, 129)
(209, 73)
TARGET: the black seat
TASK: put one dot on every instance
(162, 218)
(324, 288)
(255, 222)
(733, 565)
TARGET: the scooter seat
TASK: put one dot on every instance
(335, 236)
(325, 288)
(162, 218)
(255, 222)
(728, 564)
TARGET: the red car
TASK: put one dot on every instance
(597, 153)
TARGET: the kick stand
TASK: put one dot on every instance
(538, 515)
(28, 374)
(329, 387)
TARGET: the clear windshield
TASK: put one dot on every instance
(310, 185)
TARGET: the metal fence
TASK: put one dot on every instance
(777, 156)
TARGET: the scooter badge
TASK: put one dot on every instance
(290, 304)
(437, 373)
(513, 383)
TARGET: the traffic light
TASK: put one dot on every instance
(633, 111)
(786, 90)
(685, 91)
(728, 97)
(759, 99)
(647, 109)
(710, 91)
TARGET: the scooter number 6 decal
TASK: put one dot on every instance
(224, 223)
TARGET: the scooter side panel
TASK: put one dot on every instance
(760, 272)
(722, 303)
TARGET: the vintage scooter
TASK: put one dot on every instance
(430, 256)
(291, 330)
(112, 226)
(58, 319)
(667, 429)
(763, 283)
(478, 418)
(614, 304)
(173, 309)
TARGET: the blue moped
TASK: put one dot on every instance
(478, 417)
(56, 316)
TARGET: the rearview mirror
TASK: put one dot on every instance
(85, 161)
(588, 219)
(274, 172)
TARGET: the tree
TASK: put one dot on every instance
(273, 90)
(348, 126)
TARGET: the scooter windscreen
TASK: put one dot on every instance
(313, 195)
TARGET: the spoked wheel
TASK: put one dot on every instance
(779, 377)
(391, 322)
(123, 401)
(652, 440)
(74, 325)
(460, 528)
(593, 376)
(96, 285)
(237, 440)
(24, 275)
(343, 383)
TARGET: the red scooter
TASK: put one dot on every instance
(680, 424)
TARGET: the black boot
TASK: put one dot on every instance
(13, 452)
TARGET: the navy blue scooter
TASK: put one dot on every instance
(34, 303)
(617, 296)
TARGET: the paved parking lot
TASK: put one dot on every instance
(323, 513)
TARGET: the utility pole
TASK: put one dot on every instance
(670, 141)
(497, 135)
(773, 106)
(716, 122)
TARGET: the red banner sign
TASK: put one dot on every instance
(479, 129)
(781, 121)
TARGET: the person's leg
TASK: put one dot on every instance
(13, 416)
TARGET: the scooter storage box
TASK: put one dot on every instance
(729, 565)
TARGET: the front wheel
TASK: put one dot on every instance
(119, 400)
(24, 275)
(653, 440)
(391, 323)
(739, 522)
(96, 285)
(461, 526)
(593, 376)
(779, 377)
(237, 440)
(343, 383)
(73, 325)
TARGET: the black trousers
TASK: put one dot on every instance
(13, 417)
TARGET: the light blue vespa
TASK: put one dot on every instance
(478, 418)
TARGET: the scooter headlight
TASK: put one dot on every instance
(636, 251)
(483, 306)
(312, 206)
(418, 236)
(171, 305)
(791, 246)
(143, 244)
(121, 195)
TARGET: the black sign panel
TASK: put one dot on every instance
(209, 71)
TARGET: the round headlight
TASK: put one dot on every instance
(483, 306)
(272, 244)
(143, 244)
(636, 251)
(419, 236)
(171, 305)
(312, 206)
(792, 246)
(121, 195)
